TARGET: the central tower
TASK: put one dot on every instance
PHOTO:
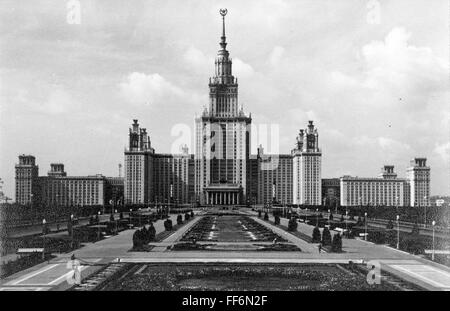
(222, 137)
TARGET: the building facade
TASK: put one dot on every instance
(221, 171)
(58, 189)
(222, 138)
(387, 189)
(307, 168)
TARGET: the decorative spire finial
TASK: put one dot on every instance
(223, 42)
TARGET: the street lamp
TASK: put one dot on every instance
(346, 222)
(317, 217)
(98, 231)
(44, 229)
(432, 255)
(398, 232)
(425, 206)
(365, 226)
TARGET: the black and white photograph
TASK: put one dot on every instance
(224, 151)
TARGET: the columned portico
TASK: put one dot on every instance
(223, 194)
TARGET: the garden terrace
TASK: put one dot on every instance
(238, 277)
(230, 228)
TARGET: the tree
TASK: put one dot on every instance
(415, 229)
(168, 224)
(277, 220)
(390, 225)
(336, 245)
(316, 235)
(326, 236)
(137, 239)
(292, 224)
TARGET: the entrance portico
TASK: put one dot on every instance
(223, 194)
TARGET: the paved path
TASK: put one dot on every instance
(53, 274)
(304, 246)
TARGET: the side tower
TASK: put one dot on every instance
(27, 173)
(418, 178)
(307, 168)
(222, 137)
(138, 166)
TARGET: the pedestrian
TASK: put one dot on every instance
(320, 247)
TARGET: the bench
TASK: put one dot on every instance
(29, 250)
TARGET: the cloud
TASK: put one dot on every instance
(196, 58)
(140, 88)
(242, 69)
(394, 64)
(392, 145)
(443, 150)
(276, 56)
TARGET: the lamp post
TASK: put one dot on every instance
(115, 220)
(398, 232)
(44, 229)
(98, 231)
(71, 229)
(425, 216)
(365, 226)
(346, 222)
(317, 217)
(432, 255)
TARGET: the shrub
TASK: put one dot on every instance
(292, 224)
(415, 229)
(326, 236)
(413, 244)
(179, 219)
(277, 220)
(266, 216)
(168, 224)
(316, 235)
(138, 239)
(390, 225)
(336, 245)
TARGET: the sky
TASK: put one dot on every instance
(373, 76)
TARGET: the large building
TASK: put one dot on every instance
(387, 189)
(58, 189)
(222, 171)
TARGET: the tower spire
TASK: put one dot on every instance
(223, 39)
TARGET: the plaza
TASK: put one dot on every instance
(397, 267)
